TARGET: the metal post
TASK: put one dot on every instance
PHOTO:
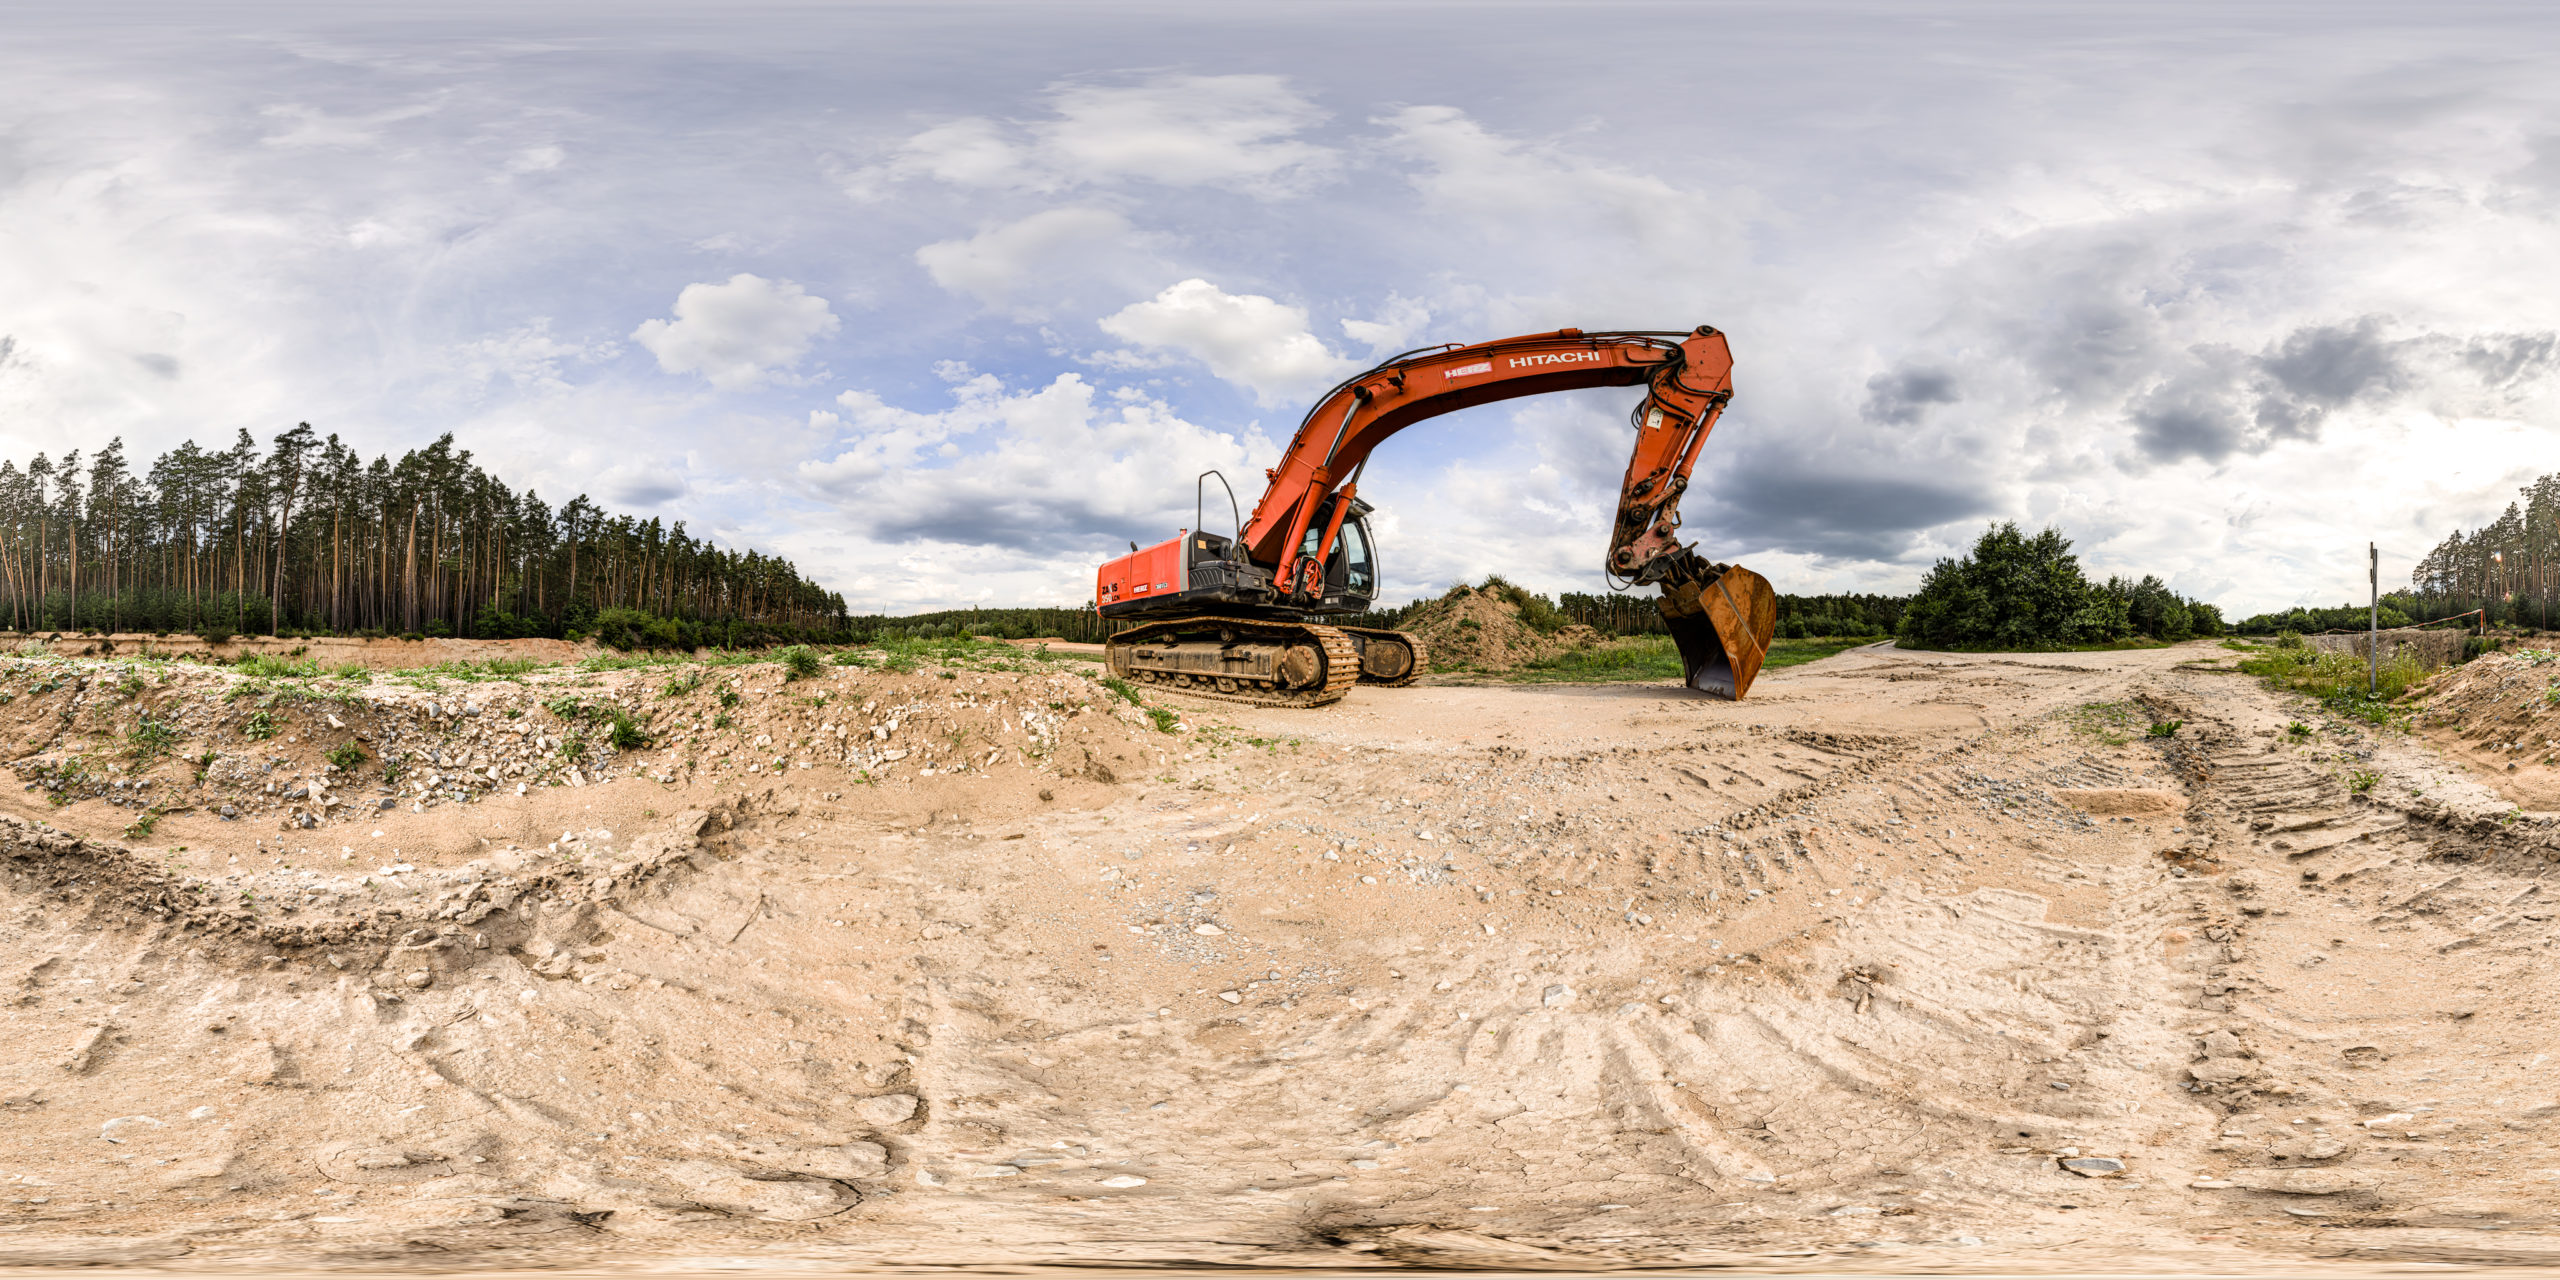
(2373, 630)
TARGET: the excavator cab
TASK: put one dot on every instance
(1351, 569)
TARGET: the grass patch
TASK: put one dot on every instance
(266, 666)
(346, 755)
(2337, 678)
(2166, 728)
(1124, 690)
(260, 726)
(150, 740)
(2112, 723)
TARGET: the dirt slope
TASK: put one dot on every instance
(2500, 715)
(1472, 629)
(1909, 962)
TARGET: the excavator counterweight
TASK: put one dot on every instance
(1242, 617)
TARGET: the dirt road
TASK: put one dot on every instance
(1909, 962)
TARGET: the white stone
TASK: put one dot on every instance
(1124, 1181)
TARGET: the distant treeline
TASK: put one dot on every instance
(2399, 609)
(2016, 592)
(306, 537)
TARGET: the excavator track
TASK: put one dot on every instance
(1421, 657)
(1196, 657)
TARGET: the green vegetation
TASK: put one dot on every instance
(2109, 722)
(1126, 691)
(346, 755)
(2166, 728)
(800, 662)
(2016, 593)
(2362, 780)
(353, 672)
(260, 726)
(625, 733)
(142, 824)
(149, 740)
(2337, 679)
(262, 666)
(129, 547)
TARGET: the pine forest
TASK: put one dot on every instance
(2505, 568)
(306, 537)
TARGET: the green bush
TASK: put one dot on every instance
(626, 733)
(346, 755)
(2012, 592)
(800, 662)
(269, 667)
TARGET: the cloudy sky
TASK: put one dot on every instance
(949, 301)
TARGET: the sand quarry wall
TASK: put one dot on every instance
(2432, 649)
(378, 655)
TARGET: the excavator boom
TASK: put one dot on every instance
(1286, 559)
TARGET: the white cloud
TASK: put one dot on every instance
(1023, 493)
(739, 333)
(1247, 339)
(1237, 132)
(1002, 263)
(1399, 322)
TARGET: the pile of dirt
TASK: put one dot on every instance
(173, 753)
(1489, 628)
(2500, 714)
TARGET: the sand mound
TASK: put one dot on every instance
(1486, 629)
(2113, 802)
(2500, 713)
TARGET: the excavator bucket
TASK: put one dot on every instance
(1722, 626)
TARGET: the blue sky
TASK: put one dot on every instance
(947, 302)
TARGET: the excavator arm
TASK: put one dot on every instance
(1720, 616)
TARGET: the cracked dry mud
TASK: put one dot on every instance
(1871, 971)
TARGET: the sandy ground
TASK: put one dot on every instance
(1908, 963)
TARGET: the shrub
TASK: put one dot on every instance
(260, 726)
(2362, 781)
(2166, 728)
(800, 662)
(626, 733)
(267, 667)
(216, 635)
(2011, 592)
(346, 755)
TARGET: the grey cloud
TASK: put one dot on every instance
(1850, 517)
(165, 366)
(8, 349)
(2498, 360)
(646, 489)
(1899, 398)
(2329, 365)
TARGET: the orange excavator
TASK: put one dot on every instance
(1241, 618)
